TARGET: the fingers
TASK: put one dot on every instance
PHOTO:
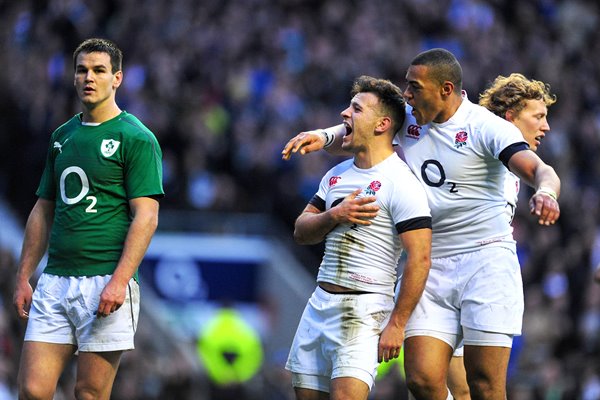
(545, 207)
(21, 305)
(385, 354)
(305, 142)
(105, 310)
(22, 313)
(359, 211)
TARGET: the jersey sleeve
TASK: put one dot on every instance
(408, 205)
(143, 167)
(500, 135)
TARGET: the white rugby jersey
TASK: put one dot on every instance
(512, 186)
(364, 257)
(458, 163)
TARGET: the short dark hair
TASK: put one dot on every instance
(443, 66)
(102, 46)
(389, 95)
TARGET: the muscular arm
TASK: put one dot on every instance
(417, 244)
(35, 243)
(313, 225)
(539, 175)
(143, 226)
(307, 142)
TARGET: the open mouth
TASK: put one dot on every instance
(348, 129)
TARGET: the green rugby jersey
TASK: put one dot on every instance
(91, 173)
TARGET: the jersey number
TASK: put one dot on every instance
(442, 175)
(85, 188)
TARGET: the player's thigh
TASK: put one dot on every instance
(40, 367)
(487, 363)
(348, 388)
(426, 359)
(96, 373)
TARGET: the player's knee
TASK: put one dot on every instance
(484, 388)
(460, 391)
(425, 386)
(86, 392)
(34, 391)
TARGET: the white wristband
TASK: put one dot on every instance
(548, 191)
(329, 137)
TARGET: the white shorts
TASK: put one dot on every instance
(481, 290)
(338, 336)
(459, 351)
(63, 311)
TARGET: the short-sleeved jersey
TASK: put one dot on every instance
(91, 174)
(458, 162)
(365, 257)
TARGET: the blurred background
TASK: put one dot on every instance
(224, 84)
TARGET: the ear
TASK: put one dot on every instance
(118, 79)
(510, 115)
(447, 88)
(383, 125)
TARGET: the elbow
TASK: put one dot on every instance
(299, 238)
(304, 239)
(154, 223)
(151, 223)
(425, 262)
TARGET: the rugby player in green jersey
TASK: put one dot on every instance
(96, 212)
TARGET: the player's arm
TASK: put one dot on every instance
(141, 229)
(417, 244)
(314, 224)
(309, 141)
(35, 243)
(542, 177)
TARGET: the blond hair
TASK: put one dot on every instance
(510, 93)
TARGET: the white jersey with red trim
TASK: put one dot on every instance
(364, 257)
(458, 163)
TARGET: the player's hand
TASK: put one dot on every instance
(22, 299)
(353, 210)
(304, 142)
(545, 207)
(111, 299)
(390, 343)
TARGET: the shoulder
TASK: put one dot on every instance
(133, 128)
(399, 174)
(341, 168)
(73, 123)
(488, 124)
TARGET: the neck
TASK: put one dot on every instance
(370, 157)
(100, 113)
(452, 103)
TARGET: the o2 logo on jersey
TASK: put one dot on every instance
(413, 131)
(460, 139)
(85, 188)
(372, 188)
(334, 180)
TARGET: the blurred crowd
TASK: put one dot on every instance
(225, 83)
